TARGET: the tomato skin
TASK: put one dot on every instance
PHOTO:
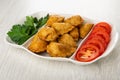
(104, 35)
(99, 38)
(105, 25)
(83, 49)
(102, 29)
(99, 28)
(95, 44)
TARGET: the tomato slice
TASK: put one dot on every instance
(87, 53)
(104, 35)
(105, 25)
(97, 43)
(99, 38)
(99, 28)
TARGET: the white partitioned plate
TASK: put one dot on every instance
(111, 45)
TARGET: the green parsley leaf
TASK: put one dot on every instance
(42, 21)
(18, 34)
(22, 32)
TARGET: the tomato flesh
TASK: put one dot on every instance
(87, 53)
(95, 44)
(99, 28)
(98, 38)
(104, 35)
(105, 25)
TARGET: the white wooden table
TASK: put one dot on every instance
(17, 64)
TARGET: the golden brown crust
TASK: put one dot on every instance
(54, 18)
(59, 37)
(37, 45)
(85, 29)
(75, 20)
(68, 40)
(47, 34)
(62, 28)
(75, 34)
(56, 49)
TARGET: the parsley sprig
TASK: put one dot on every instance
(22, 32)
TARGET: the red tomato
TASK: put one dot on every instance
(104, 35)
(99, 38)
(99, 28)
(87, 53)
(97, 43)
(105, 25)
